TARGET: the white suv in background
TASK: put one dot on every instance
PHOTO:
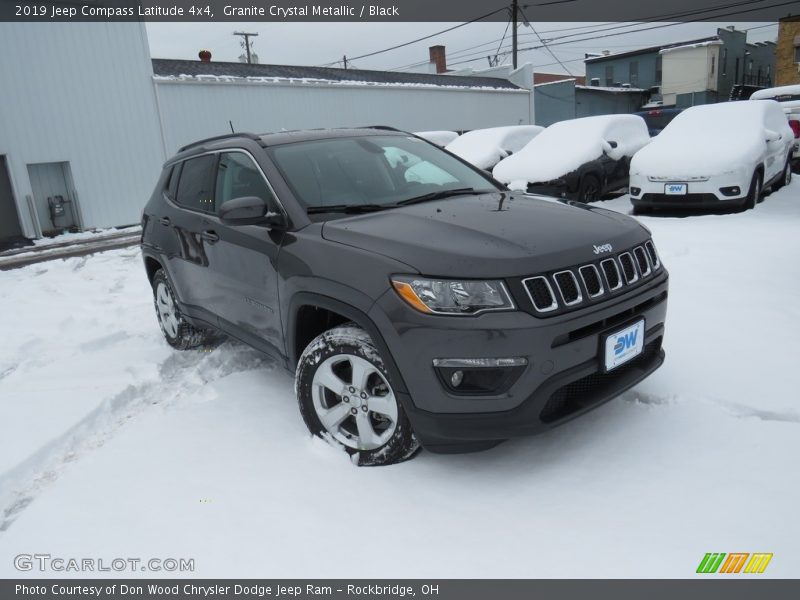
(714, 155)
(788, 96)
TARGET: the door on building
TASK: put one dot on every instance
(10, 229)
(53, 196)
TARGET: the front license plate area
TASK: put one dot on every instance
(676, 189)
(623, 345)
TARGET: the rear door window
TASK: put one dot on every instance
(196, 185)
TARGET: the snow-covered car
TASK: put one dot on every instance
(440, 138)
(788, 96)
(713, 156)
(484, 148)
(580, 159)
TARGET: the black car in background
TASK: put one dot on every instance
(577, 159)
(658, 118)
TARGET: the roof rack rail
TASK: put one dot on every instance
(244, 134)
(383, 127)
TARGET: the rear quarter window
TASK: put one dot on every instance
(196, 185)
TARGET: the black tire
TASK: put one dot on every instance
(642, 210)
(589, 188)
(180, 335)
(349, 342)
(786, 176)
(756, 192)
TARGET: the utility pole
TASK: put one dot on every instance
(246, 42)
(344, 61)
(514, 9)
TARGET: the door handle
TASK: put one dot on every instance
(164, 220)
(210, 236)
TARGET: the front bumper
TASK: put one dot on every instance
(700, 194)
(563, 377)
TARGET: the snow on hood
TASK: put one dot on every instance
(440, 138)
(485, 147)
(566, 145)
(708, 140)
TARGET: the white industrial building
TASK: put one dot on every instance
(87, 117)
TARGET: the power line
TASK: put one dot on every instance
(425, 37)
(557, 41)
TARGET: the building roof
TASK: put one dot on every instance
(648, 50)
(545, 78)
(180, 69)
(611, 90)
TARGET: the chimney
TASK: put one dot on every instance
(204, 55)
(606, 52)
(438, 58)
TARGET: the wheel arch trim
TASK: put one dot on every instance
(356, 315)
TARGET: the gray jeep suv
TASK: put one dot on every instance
(417, 301)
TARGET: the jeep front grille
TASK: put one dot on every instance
(568, 287)
(577, 286)
(541, 294)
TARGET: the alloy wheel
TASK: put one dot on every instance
(167, 314)
(354, 402)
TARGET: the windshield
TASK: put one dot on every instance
(371, 170)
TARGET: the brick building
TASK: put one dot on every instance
(787, 52)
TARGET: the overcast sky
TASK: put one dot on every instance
(323, 43)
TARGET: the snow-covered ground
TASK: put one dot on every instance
(114, 445)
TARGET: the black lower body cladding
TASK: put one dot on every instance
(563, 378)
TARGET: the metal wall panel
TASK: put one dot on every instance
(81, 94)
(192, 110)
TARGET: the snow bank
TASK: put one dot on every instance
(709, 140)
(566, 145)
(485, 147)
(440, 138)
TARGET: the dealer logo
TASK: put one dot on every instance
(735, 562)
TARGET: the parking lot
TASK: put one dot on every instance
(114, 445)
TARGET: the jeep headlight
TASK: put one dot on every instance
(451, 296)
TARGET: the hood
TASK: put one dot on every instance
(487, 236)
(664, 160)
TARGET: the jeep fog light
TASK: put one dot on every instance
(451, 296)
(479, 376)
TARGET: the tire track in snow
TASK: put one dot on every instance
(181, 376)
(739, 411)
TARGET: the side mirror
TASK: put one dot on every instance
(772, 136)
(249, 210)
(613, 144)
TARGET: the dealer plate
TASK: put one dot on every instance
(623, 345)
(676, 189)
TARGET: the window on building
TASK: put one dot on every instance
(238, 177)
(724, 61)
(196, 186)
(797, 54)
(633, 73)
(713, 64)
(736, 71)
(658, 69)
(609, 75)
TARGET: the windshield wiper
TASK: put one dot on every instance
(441, 194)
(350, 209)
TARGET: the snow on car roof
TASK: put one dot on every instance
(566, 145)
(775, 92)
(709, 139)
(485, 147)
(440, 138)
